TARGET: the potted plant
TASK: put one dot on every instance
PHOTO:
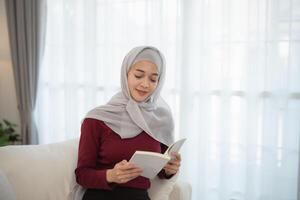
(8, 133)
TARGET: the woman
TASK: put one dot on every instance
(135, 119)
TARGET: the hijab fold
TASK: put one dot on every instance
(129, 118)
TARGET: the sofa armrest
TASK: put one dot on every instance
(181, 191)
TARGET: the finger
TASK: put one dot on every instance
(176, 156)
(174, 162)
(124, 162)
(120, 172)
(131, 171)
(119, 164)
(128, 177)
(122, 165)
(169, 172)
(136, 170)
(129, 166)
(171, 167)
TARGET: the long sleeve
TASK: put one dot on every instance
(100, 148)
(87, 174)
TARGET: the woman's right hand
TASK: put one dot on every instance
(123, 172)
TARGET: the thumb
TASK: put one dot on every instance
(123, 162)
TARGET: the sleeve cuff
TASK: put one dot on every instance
(162, 175)
(103, 184)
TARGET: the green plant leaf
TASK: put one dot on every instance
(8, 133)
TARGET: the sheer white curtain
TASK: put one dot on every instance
(86, 43)
(240, 100)
(233, 83)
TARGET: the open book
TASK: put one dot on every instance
(153, 162)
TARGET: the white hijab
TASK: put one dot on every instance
(129, 118)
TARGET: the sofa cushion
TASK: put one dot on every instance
(40, 171)
(162, 188)
(6, 191)
(46, 172)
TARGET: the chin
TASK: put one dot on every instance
(139, 98)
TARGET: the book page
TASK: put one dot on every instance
(175, 147)
(151, 162)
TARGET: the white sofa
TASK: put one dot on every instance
(46, 172)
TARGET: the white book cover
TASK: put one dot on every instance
(153, 162)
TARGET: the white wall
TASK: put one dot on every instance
(8, 100)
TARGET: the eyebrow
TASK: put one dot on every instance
(154, 74)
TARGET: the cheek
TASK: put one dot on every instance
(153, 87)
(132, 83)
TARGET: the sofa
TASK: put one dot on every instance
(46, 172)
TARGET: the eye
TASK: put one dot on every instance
(153, 80)
(138, 77)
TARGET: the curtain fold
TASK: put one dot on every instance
(26, 27)
(233, 83)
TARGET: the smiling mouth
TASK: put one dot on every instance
(142, 93)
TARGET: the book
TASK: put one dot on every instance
(153, 162)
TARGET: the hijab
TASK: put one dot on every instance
(127, 117)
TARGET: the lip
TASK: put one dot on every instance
(141, 93)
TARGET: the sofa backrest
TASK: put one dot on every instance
(41, 172)
(46, 172)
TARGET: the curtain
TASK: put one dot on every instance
(241, 98)
(26, 23)
(233, 83)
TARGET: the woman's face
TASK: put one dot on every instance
(142, 80)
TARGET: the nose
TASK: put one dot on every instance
(145, 83)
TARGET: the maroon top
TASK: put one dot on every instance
(100, 148)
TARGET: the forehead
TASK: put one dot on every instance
(145, 66)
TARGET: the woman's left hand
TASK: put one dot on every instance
(173, 165)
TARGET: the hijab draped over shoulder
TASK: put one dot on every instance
(129, 118)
